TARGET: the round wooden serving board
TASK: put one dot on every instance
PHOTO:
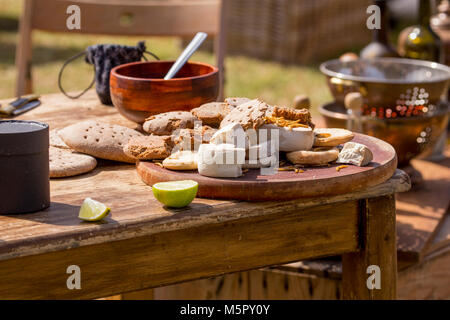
(287, 185)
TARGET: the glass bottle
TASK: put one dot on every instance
(420, 41)
(380, 46)
(440, 23)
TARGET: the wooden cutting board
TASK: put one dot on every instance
(286, 185)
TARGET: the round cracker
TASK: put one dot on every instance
(212, 113)
(331, 137)
(64, 163)
(164, 124)
(317, 156)
(56, 141)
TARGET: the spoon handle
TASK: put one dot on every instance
(187, 53)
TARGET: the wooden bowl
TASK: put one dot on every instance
(138, 89)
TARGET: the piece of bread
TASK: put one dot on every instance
(249, 115)
(317, 156)
(164, 124)
(65, 163)
(212, 114)
(191, 139)
(100, 140)
(56, 141)
(331, 137)
(302, 116)
(236, 101)
(254, 113)
(355, 153)
(181, 160)
(149, 147)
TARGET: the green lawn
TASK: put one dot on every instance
(271, 81)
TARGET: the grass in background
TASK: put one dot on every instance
(271, 81)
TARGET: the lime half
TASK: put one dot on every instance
(175, 194)
(92, 210)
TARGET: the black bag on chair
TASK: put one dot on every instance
(104, 57)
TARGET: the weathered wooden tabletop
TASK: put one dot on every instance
(143, 244)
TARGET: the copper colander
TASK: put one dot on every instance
(391, 87)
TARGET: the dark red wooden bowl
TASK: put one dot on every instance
(138, 89)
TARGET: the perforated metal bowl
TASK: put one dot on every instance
(411, 137)
(388, 83)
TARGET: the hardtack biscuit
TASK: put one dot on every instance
(317, 156)
(188, 139)
(328, 137)
(101, 140)
(302, 116)
(56, 141)
(164, 124)
(65, 163)
(211, 114)
(235, 101)
(249, 115)
(149, 147)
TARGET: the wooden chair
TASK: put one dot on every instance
(120, 17)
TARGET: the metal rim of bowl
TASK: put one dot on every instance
(343, 116)
(429, 64)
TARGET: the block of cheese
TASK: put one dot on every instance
(232, 133)
(220, 161)
(181, 160)
(262, 150)
(291, 139)
(260, 163)
(355, 153)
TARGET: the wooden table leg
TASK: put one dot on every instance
(378, 249)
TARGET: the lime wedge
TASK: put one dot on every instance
(175, 194)
(92, 210)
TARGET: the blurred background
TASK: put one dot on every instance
(278, 43)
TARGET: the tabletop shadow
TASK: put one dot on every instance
(191, 208)
(60, 214)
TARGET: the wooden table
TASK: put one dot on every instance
(143, 244)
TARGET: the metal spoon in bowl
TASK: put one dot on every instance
(187, 53)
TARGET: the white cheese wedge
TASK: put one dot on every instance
(263, 150)
(291, 139)
(232, 133)
(260, 163)
(220, 161)
(181, 160)
(355, 153)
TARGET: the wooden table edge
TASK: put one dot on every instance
(399, 182)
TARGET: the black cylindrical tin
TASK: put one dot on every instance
(24, 166)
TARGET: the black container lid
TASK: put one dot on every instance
(20, 137)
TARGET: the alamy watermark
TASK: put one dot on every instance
(73, 21)
(374, 20)
(374, 280)
(74, 280)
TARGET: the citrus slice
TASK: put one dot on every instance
(92, 210)
(175, 194)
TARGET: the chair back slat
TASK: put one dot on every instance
(160, 18)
